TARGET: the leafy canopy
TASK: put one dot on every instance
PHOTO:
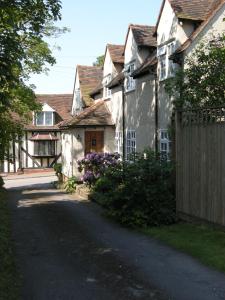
(99, 61)
(24, 25)
(202, 82)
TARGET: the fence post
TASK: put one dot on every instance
(178, 158)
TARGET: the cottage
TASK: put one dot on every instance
(178, 21)
(40, 146)
(90, 129)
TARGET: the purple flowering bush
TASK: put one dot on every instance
(95, 165)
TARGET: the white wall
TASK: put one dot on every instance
(140, 112)
(77, 106)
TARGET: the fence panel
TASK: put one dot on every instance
(200, 164)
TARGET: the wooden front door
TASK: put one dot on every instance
(94, 141)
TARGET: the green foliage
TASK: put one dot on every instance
(140, 193)
(58, 169)
(23, 28)
(1, 182)
(70, 185)
(8, 274)
(201, 84)
(99, 61)
(200, 241)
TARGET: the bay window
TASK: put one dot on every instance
(44, 148)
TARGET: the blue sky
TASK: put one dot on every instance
(92, 25)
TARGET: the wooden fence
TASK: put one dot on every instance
(200, 164)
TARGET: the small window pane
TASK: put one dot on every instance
(40, 118)
(48, 118)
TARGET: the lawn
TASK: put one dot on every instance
(8, 274)
(201, 242)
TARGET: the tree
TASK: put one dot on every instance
(24, 24)
(202, 82)
(99, 61)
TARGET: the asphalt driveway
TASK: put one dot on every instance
(66, 249)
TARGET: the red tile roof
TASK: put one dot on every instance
(195, 34)
(95, 115)
(97, 90)
(196, 10)
(61, 103)
(193, 9)
(116, 53)
(90, 77)
(44, 137)
(143, 35)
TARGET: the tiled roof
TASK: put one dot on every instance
(116, 80)
(116, 53)
(148, 65)
(193, 9)
(90, 77)
(44, 137)
(61, 103)
(97, 90)
(197, 10)
(95, 115)
(143, 35)
(195, 34)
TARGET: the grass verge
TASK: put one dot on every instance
(9, 287)
(200, 241)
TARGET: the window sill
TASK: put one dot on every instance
(130, 91)
(107, 98)
(43, 156)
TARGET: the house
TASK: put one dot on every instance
(90, 129)
(178, 22)
(40, 145)
(112, 68)
(135, 129)
(213, 26)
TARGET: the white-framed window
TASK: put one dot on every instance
(130, 82)
(78, 98)
(106, 81)
(119, 142)
(130, 143)
(162, 66)
(44, 118)
(164, 143)
(161, 51)
(170, 48)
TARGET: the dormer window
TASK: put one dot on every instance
(106, 81)
(130, 81)
(44, 118)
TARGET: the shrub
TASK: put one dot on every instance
(95, 165)
(58, 169)
(1, 182)
(140, 193)
(70, 185)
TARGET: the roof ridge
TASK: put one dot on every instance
(140, 25)
(85, 66)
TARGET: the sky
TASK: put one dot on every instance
(92, 25)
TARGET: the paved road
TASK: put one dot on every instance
(67, 250)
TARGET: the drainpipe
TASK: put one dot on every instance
(156, 112)
(123, 121)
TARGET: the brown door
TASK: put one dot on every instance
(94, 141)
